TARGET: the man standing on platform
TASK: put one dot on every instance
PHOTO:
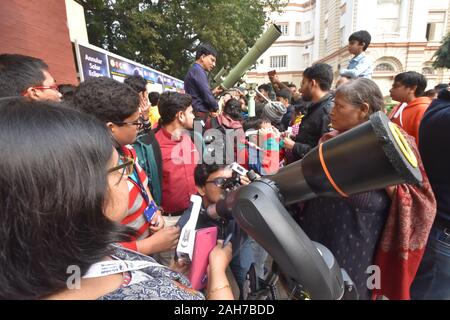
(196, 83)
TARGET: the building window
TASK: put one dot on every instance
(384, 67)
(428, 71)
(284, 27)
(435, 26)
(278, 62)
(308, 27)
(306, 60)
(388, 16)
(343, 9)
(298, 29)
(344, 40)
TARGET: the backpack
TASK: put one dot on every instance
(149, 157)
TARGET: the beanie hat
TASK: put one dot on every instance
(274, 111)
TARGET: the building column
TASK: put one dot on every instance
(404, 18)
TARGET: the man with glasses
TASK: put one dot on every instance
(212, 181)
(117, 105)
(146, 146)
(28, 77)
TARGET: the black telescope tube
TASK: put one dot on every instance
(368, 157)
(292, 184)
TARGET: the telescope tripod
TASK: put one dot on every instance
(257, 289)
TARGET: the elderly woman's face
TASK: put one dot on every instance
(345, 116)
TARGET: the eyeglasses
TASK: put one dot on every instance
(138, 124)
(127, 165)
(218, 182)
(52, 87)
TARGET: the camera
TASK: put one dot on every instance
(234, 181)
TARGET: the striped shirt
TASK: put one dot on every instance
(136, 201)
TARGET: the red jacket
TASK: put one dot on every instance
(179, 161)
(409, 117)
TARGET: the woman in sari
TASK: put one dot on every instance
(378, 237)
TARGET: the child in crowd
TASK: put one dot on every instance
(153, 98)
(360, 65)
(265, 150)
(294, 130)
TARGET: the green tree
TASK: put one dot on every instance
(164, 34)
(443, 55)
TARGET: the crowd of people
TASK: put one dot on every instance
(99, 176)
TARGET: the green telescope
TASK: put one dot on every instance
(219, 76)
(263, 43)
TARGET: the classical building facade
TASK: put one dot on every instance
(293, 51)
(405, 36)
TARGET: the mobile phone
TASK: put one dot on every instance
(205, 241)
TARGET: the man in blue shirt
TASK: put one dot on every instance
(196, 83)
(360, 66)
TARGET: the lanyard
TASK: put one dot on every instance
(106, 268)
(138, 182)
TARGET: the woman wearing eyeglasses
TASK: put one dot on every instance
(61, 184)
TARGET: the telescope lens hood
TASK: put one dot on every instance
(396, 149)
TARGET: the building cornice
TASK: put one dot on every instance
(412, 46)
(332, 55)
(307, 5)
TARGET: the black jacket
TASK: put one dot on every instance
(434, 147)
(314, 125)
(286, 120)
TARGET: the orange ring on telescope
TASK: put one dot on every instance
(327, 173)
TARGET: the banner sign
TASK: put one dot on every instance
(96, 62)
(93, 63)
